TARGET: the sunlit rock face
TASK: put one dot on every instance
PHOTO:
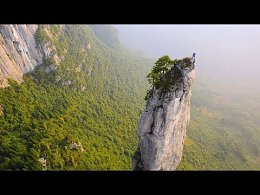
(162, 126)
(19, 52)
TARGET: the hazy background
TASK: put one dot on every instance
(229, 52)
(225, 104)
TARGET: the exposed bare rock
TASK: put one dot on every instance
(86, 47)
(89, 71)
(76, 146)
(50, 68)
(58, 59)
(83, 88)
(18, 50)
(43, 161)
(58, 78)
(46, 50)
(19, 53)
(67, 83)
(162, 126)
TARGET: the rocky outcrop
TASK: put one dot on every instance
(67, 83)
(162, 126)
(76, 146)
(50, 68)
(18, 53)
(43, 162)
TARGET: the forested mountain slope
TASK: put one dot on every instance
(78, 109)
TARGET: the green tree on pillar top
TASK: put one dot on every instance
(161, 66)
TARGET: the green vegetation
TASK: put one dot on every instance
(43, 118)
(184, 63)
(224, 132)
(162, 65)
(108, 34)
(163, 74)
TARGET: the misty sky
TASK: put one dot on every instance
(221, 49)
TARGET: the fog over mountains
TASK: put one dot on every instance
(226, 51)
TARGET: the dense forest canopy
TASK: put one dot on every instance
(97, 111)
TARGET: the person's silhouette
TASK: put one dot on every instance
(193, 58)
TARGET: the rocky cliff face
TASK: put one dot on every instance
(19, 53)
(162, 126)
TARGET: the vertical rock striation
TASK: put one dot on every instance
(162, 126)
(18, 53)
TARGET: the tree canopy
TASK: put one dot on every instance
(161, 66)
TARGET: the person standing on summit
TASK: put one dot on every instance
(193, 57)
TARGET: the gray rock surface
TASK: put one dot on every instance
(162, 126)
(19, 53)
(76, 146)
(19, 42)
(50, 68)
(67, 83)
(88, 46)
(43, 161)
